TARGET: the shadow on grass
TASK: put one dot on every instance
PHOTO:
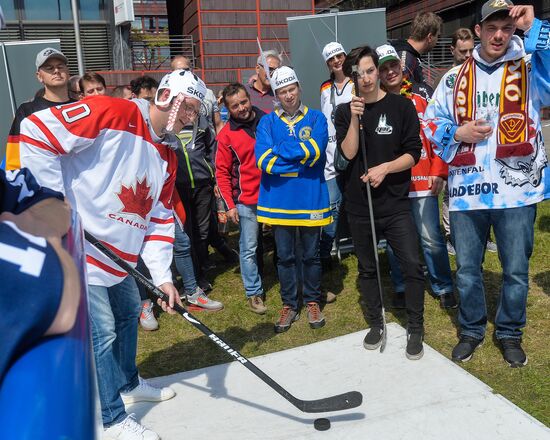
(333, 280)
(544, 223)
(200, 352)
(543, 281)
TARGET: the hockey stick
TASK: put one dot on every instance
(355, 74)
(340, 402)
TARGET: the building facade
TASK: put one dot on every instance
(225, 34)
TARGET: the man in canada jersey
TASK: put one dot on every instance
(114, 161)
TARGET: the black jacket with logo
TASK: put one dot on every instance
(391, 129)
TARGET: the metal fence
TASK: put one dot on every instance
(152, 51)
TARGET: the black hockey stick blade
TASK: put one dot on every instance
(335, 403)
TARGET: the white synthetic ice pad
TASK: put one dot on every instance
(427, 399)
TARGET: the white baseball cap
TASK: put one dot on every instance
(180, 81)
(385, 53)
(45, 54)
(331, 49)
(282, 77)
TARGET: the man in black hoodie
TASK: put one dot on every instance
(425, 31)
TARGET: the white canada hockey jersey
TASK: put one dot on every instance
(331, 97)
(116, 173)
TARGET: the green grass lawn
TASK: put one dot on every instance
(177, 346)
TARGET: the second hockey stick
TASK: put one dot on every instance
(340, 402)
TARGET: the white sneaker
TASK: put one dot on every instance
(147, 393)
(129, 429)
(147, 317)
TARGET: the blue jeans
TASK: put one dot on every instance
(514, 233)
(248, 243)
(328, 232)
(425, 213)
(114, 313)
(285, 239)
(184, 261)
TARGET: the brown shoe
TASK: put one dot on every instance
(288, 316)
(257, 305)
(314, 315)
(328, 297)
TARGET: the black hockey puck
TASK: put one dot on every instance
(322, 424)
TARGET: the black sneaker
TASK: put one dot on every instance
(465, 348)
(398, 301)
(373, 339)
(415, 348)
(448, 301)
(513, 353)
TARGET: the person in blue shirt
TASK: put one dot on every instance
(40, 292)
(290, 150)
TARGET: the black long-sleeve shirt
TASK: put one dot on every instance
(391, 129)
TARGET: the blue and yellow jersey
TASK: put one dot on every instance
(291, 156)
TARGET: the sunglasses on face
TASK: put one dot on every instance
(52, 69)
(271, 69)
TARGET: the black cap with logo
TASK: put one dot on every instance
(492, 6)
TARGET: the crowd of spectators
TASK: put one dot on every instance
(258, 157)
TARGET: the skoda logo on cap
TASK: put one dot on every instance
(285, 80)
(333, 51)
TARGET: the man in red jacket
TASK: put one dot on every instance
(427, 179)
(238, 179)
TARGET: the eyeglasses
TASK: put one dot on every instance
(51, 69)
(363, 73)
(271, 69)
(190, 111)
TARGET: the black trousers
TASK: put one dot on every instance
(400, 232)
(198, 204)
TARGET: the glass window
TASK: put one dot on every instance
(61, 9)
(92, 9)
(136, 24)
(9, 9)
(163, 24)
(47, 9)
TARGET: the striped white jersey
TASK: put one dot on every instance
(116, 173)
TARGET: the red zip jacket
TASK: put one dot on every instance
(237, 175)
(429, 164)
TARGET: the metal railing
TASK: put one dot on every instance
(153, 51)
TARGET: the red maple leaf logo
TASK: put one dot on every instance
(136, 201)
